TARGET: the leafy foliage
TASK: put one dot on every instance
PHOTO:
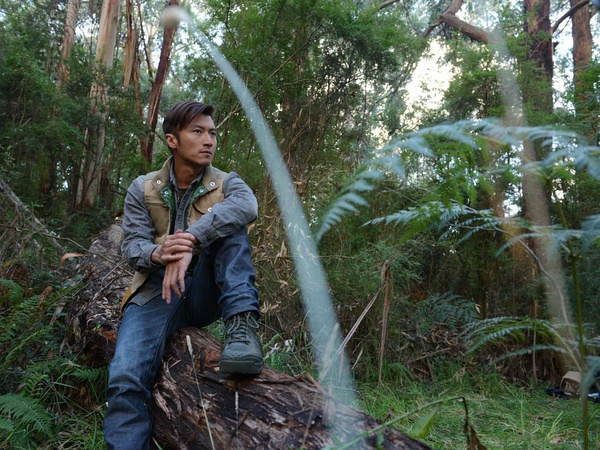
(23, 415)
(448, 309)
(442, 205)
(40, 380)
(520, 330)
(475, 137)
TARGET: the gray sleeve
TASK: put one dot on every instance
(238, 208)
(138, 242)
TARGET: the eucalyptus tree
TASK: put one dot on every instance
(38, 124)
(88, 187)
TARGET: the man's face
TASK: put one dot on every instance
(196, 144)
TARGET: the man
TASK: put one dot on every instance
(185, 237)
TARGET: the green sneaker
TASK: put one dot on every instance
(241, 352)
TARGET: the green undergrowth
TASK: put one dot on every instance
(503, 415)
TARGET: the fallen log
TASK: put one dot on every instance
(196, 407)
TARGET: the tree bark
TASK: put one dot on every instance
(89, 183)
(147, 144)
(541, 54)
(586, 102)
(449, 18)
(15, 236)
(196, 407)
(195, 403)
(130, 59)
(67, 43)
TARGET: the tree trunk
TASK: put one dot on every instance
(147, 145)
(130, 59)
(196, 404)
(24, 230)
(196, 407)
(88, 187)
(586, 102)
(69, 37)
(538, 93)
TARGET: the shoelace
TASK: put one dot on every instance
(240, 327)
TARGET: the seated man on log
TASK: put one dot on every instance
(185, 236)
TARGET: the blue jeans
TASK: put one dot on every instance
(221, 285)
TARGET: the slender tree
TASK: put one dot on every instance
(147, 143)
(67, 42)
(586, 103)
(91, 168)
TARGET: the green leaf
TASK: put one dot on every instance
(25, 412)
(421, 427)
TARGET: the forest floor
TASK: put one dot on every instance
(504, 416)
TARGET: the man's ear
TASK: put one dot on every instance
(171, 140)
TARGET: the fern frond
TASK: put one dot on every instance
(496, 130)
(485, 331)
(93, 375)
(450, 309)
(34, 380)
(25, 412)
(349, 200)
(16, 350)
(591, 227)
(6, 425)
(529, 350)
(414, 141)
(15, 292)
(588, 158)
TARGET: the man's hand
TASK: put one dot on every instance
(174, 280)
(175, 254)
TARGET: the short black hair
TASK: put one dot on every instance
(182, 113)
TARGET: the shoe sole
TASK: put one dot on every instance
(241, 367)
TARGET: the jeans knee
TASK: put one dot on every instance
(127, 377)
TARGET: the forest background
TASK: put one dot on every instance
(458, 229)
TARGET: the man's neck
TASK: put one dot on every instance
(185, 175)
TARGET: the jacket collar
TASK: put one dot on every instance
(165, 175)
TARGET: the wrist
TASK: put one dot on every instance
(156, 256)
(197, 246)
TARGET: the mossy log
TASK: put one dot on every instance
(196, 407)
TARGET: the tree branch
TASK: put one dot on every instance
(386, 4)
(449, 18)
(568, 14)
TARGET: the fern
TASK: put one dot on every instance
(529, 350)
(6, 425)
(33, 364)
(15, 292)
(449, 309)
(21, 318)
(35, 379)
(499, 329)
(25, 413)
(93, 375)
(23, 329)
(349, 200)
(431, 215)
(17, 350)
(569, 153)
(591, 226)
